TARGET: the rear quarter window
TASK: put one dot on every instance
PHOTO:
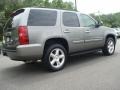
(42, 17)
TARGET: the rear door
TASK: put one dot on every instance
(72, 31)
(93, 35)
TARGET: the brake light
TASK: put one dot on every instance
(23, 35)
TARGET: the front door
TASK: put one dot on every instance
(93, 35)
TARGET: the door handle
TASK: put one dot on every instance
(67, 31)
(87, 31)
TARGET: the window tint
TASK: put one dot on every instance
(17, 12)
(42, 18)
(70, 19)
(14, 19)
(8, 25)
(86, 21)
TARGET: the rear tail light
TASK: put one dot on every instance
(23, 35)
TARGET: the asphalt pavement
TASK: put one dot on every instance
(84, 72)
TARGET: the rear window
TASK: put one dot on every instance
(42, 18)
(17, 12)
(14, 19)
(8, 25)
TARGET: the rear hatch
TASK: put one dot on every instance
(10, 32)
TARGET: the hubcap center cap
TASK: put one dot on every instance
(56, 57)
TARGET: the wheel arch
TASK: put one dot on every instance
(58, 40)
(112, 36)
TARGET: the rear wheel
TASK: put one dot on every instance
(55, 57)
(109, 47)
(4, 53)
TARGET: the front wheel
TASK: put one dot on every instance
(55, 57)
(109, 47)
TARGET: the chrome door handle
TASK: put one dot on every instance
(67, 31)
(87, 31)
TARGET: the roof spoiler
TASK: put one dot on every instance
(17, 12)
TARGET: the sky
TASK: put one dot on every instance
(93, 6)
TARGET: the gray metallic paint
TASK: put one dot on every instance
(77, 37)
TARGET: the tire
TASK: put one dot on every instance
(109, 47)
(55, 57)
(4, 53)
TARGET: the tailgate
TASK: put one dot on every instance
(10, 38)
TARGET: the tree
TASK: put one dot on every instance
(47, 4)
(110, 20)
(59, 4)
(2, 3)
(68, 6)
(33, 3)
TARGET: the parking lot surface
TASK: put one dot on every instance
(84, 72)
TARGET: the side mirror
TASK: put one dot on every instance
(99, 23)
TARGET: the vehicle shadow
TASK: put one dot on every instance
(72, 60)
(27, 72)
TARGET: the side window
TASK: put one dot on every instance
(70, 19)
(42, 17)
(86, 21)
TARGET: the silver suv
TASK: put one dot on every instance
(51, 35)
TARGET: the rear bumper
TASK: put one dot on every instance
(25, 52)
